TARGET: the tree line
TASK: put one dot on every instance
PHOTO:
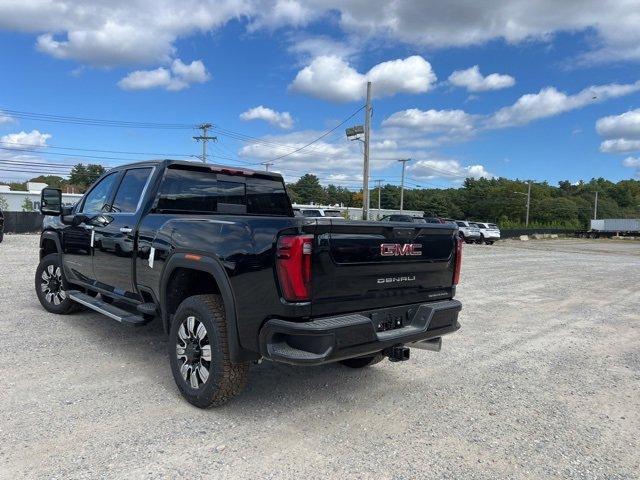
(498, 200)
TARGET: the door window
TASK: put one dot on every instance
(97, 198)
(130, 190)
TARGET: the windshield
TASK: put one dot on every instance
(332, 213)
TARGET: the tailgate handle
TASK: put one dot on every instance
(403, 232)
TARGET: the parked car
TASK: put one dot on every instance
(468, 232)
(1, 225)
(433, 220)
(217, 255)
(396, 217)
(320, 213)
(489, 232)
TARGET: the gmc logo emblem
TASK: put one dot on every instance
(400, 249)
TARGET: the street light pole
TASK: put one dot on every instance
(404, 163)
(528, 204)
(365, 170)
(379, 190)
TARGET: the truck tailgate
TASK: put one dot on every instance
(366, 265)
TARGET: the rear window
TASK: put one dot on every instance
(201, 191)
(332, 213)
(461, 224)
(311, 213)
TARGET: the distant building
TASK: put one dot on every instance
(355, 213)
(15, 199)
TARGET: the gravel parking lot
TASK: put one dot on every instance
(542, 381)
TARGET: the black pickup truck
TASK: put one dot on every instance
(217, 255)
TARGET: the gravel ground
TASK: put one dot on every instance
(542, 381)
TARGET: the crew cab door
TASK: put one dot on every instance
(77, 240)
(115, 238)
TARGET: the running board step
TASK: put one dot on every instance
(107, 309)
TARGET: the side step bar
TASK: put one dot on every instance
(107, 309)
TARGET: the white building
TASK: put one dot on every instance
(16, 199)
(355, 213)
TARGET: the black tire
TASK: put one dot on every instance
(1, 236)
(361, 362)
(224, 380)
(51, 286)
(488, 242)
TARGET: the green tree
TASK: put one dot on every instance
(308, 189)
(83, 177)
(54, 181)
(27, 205)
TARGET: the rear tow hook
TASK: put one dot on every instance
(397, 353)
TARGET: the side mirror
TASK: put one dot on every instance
(51, 201)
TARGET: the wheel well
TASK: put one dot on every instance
(48, 246)
(186, 282)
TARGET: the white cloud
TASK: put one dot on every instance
(632, 162)
(474, 81)
(549, 102)
(432, 120)
(279, 119)
(25, 140)
(117, 32)
(340, 161)
(145, 31)
(284, 13)
(329, 77)
(178, 77)
(309, 47)
(625, 125)
(620, 145)
(5, 118)
(622, 132)
(445, 168)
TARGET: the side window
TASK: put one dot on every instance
(130, 190)
(97, 198)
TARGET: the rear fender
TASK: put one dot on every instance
(213, 267)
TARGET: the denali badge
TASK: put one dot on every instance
(410, 278)
(400, 249)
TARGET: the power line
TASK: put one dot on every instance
(321, 136)
(44, 117)
(95, 150)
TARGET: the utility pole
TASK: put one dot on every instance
(379, 190)
(404, 163)
(595, 208)
(365, 170)
(526, 223)
(267, 165)
(204, 138)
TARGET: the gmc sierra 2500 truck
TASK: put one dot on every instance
(218, 256)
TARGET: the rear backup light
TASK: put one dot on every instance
(458, 261)
(293, 264)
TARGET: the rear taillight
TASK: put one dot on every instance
(458, 261)
(293, 264)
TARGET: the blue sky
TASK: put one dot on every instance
(284, 71)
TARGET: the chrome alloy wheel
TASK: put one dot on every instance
(51, 285)
(194, 352)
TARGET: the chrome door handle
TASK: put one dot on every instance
(126, 230)
(88, 227)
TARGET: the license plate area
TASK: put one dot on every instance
(390, 319)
